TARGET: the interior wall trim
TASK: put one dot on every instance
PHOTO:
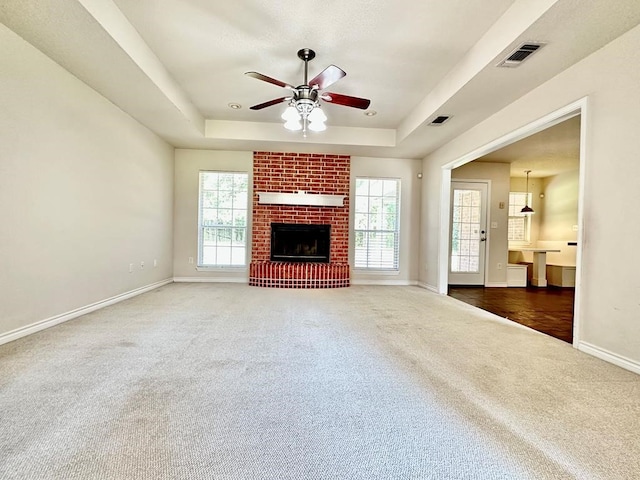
(64, 317)
(368, 281)
(211, 280)
(607, 356)
(426, 286)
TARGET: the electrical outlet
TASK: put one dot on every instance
(131, 268)
(499, 266)
(190, 259)
(155, 262)
(141, 265)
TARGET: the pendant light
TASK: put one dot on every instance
(527, 210)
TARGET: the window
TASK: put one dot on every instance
(222, 236)
(519, 223)
(377, 223)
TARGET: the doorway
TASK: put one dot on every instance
(468, 233)
(577, 109)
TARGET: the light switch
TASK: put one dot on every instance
(494, 224)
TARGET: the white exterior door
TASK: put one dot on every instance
(468, 233)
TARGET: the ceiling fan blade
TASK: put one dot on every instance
(346, 100)
(264, 78)
(275, 101)
(328, 76)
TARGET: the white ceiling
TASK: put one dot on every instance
(175, 65)
(549, 152)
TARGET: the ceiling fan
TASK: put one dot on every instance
(304, 101)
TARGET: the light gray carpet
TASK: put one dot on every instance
(222, 381)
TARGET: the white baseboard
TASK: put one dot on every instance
(426, 286)
(368, 281)
(610, 357)
(64, 317)
(488, 285)
(210, 280)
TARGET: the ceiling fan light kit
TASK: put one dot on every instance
(304, 111)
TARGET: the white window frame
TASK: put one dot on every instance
(514, 213)
(234, 212)
(371, 263)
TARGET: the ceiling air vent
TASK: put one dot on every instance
(439, 120)
(520, 54)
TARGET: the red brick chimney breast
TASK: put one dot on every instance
(290, 173)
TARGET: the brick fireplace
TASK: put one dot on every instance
(316, 175)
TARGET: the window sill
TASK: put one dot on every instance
(375, 271)
(220, 268)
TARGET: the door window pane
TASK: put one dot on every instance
(465, 251)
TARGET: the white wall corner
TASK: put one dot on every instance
(607, 356)
(78, 312)
(426, 286)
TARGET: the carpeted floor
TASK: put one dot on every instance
(223, 381)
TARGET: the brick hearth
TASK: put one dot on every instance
(290, 173)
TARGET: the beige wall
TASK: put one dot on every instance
(608, 325)
(85, 191)
(559, 211)
(188, 164)
(497, 252)
(410, 191)
(559, 219)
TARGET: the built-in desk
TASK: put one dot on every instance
(539, 264)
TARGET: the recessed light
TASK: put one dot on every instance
(370, 113)
(235, 106)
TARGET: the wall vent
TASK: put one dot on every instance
(439, 120)
(520, 54)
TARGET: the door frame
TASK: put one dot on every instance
(579, 107)
(487, 214)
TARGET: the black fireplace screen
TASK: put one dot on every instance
(293, 242)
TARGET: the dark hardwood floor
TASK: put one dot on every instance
(548, 310)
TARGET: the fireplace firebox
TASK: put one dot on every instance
(294, 242)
